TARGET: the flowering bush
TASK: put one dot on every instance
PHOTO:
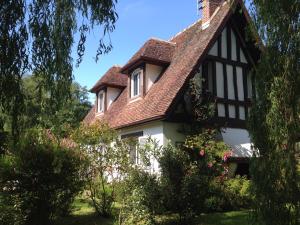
(186, 173)
(209, 154)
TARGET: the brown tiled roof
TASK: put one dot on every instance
(188, 50)
(90, 117)
(112, 77)
(153, 50)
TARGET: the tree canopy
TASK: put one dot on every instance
(37, 36)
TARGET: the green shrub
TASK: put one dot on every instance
(187, 173)
(42, 178)
(237, 191)
(142, 200)
(228, 194)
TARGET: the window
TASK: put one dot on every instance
(132, 141)
(135, 83)
(101, 101)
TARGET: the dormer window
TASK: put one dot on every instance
(100, 102)
(135, 83)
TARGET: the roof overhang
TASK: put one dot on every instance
(143, 60)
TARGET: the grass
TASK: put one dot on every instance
(84, 214)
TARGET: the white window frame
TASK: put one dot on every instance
(138, 73)
(100, 105)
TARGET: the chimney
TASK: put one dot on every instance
(208, 9)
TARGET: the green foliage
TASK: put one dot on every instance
(110, 162)
(96, 140)
(229, 194)
(38, 36)
(275, 121)
(38, 111)
(39, 179)
(142, 199)
(187, 173)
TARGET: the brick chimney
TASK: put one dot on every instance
(208, 9)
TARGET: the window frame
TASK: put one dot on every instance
(136, 73)
(101, 105)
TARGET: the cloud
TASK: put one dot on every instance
(136, 7)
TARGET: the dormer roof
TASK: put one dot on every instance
(112, 78)
(154, 50)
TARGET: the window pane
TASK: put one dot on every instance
(101, 102)
(135, 84)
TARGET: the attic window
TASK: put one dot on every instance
(100, 102)
(135, 83)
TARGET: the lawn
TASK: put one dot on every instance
(83, 214)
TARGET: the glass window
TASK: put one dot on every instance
(135, 83)
(101, 101)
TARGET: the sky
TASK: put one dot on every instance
(138, 21)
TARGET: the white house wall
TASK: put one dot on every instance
(173, 133)
(152, 73)
(153, 130)
(112, 94)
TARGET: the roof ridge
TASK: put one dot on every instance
(185, 29)
(159, 39)
(116, 65)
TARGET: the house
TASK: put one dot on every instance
(147, 96)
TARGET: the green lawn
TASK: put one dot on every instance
(83, 214)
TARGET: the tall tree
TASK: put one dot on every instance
(37, 36)
(275, 122)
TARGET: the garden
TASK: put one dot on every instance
(55, 170)
(51, 181)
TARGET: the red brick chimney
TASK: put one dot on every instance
(208, 9)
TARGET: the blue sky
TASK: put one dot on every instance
(138, 21)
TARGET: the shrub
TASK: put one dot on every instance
(142, 200)
(42, 178)
(187, 173)
(228, 194)
(237, 191)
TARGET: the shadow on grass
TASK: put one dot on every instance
(228, 218)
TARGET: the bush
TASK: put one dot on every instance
(42, 178)
(142, 199)
(237, 191)
(229, 194)
(187, 173)
(183, 186)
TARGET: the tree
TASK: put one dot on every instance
(276, 110)
(38, 36)
(37, 104)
